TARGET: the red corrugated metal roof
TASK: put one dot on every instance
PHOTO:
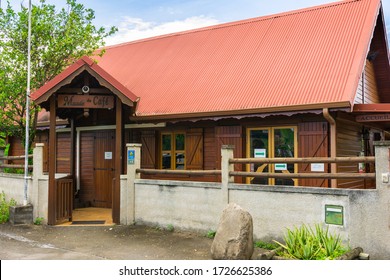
(304, 59)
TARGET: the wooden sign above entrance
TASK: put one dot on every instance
(373, 118)
(85, 101)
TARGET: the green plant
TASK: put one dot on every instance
(304, 243)
(4, 207)
(211, 234)
(38, 221)
(170, 227)
(266, 245)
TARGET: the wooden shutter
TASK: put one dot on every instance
(148, 150)
(194, 149)
(312, 142)
(229, 135)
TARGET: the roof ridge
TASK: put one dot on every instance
(237, 22)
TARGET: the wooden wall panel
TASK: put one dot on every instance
(367, 92)
(230, 135)
(210, 149)
(63, 152)
(313, 141)
(348, 144)
(87, 191)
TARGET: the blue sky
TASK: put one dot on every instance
(138, 19)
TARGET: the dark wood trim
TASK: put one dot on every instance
(118, 162)
(72, 148)
(52, 163)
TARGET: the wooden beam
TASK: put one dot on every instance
(304, 160)
(52, 162)
(306, 175)
(118, 162)
(79, 91)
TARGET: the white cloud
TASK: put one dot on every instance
(131, 29)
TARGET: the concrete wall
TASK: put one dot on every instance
(13, 186)
(186, 205)
(198, 206)
(37, 189)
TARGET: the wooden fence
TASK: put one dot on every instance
(315, 175)
(13, 165)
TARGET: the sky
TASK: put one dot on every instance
(137, 19)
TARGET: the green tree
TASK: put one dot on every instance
(58, 38)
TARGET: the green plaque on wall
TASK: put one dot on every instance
(334, 215)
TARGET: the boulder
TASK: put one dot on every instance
(234, 237)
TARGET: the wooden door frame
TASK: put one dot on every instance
(119, 133)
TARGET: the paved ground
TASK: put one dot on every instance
(31, 242)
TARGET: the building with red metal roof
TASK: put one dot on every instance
(313, 82)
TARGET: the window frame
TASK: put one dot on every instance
(173, 150)
(271, 149)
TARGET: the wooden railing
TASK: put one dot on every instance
(64, 197)
(316, 175)
(179, 172)
(15, 166)
(320, 175)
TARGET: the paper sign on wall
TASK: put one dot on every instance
(281, 166)
(130, 156)
(260, 153)
(317, 167)
(107, 155)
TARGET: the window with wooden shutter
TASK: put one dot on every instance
(194, 149)
(148, 154)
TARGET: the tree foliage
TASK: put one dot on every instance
(58, 38)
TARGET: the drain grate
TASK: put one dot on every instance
(98, 222)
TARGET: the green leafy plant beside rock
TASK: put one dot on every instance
(4, 207)
(306, 243)
(38, 221)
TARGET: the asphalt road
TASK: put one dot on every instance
(32, 242)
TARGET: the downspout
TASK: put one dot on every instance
(333, 150)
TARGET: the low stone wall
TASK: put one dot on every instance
(186, 205)
(13, 186)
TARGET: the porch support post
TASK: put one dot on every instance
(128, 191)
(116, 195)
(52, 162)
(226, 167)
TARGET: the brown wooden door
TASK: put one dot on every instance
(104, 168)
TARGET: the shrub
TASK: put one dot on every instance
(4, 208)
(266, 245)
(304, 243)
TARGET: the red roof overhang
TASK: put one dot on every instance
(85, 63)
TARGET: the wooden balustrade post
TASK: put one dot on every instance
(226, 167)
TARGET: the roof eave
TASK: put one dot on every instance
(343, 105)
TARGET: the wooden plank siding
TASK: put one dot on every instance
(313, 141)
(348, 144)
(367, 92)
(63, 152)
(87, 191)
(230, 135)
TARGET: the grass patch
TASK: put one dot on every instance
(4, 207)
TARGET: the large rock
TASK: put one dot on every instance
(234, 237)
